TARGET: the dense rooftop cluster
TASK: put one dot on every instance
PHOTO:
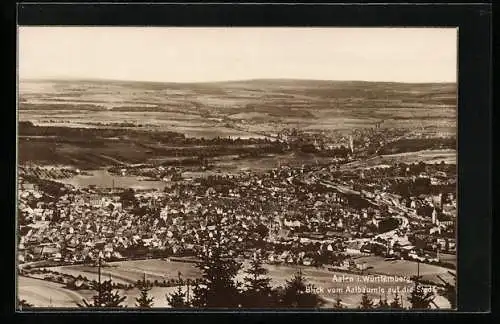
(301, 215)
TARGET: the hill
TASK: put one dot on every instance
(268, 104)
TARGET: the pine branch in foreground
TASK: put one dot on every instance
(178, 299)
(105, 297)
(217, 287)
(297, 293)
(144, 300)
(258, 293)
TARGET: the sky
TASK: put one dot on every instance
(221, 54)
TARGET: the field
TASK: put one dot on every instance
(95, 148)
(102, 178)
(452, 258)
(428, 272)
(346, 285)
(41, 293)
(427, 156)
(241, 108)
(131, 271)
(155, 269)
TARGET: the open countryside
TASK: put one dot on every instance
(129, 272)
(325, 178)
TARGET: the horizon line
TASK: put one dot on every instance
(223, 81)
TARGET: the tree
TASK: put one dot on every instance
(144, 301)
(297, 293)
(217, 287)
(111, 207)
(419, 298)
(366, 302)
(23, 304)
(105, 297)
(387, 224)
(25, 124)
(383, 304)
(127, 198)
(56, 216)
(396, 303)
(177, 299)
(338, 303)
(449, 291)
(258, 291)
(23, 219)
(262, 230)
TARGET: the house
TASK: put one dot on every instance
(272, 259)
(406, 250)
(284, 256)
(117, 255)
(80, 284)
(47, 250)
(38, 213)
(57, 256)
(108, 247)
(307, 261)
(361, 266)
(295, 223)
(452, 245)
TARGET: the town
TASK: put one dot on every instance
(324, 214)
(237, 168)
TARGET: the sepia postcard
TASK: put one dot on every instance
(236, 168)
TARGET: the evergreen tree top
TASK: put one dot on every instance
(366, 301)
(420, 298)
(178, 299)
(105, 296)
(144, 300)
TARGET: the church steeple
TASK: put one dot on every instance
(434, 216)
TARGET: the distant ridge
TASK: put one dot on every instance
(291, 81)
(272, 81)
(319, 104)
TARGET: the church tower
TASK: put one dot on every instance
(434, 216)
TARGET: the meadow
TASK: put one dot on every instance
(157, 269)
(447, 156)
(239, 108)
